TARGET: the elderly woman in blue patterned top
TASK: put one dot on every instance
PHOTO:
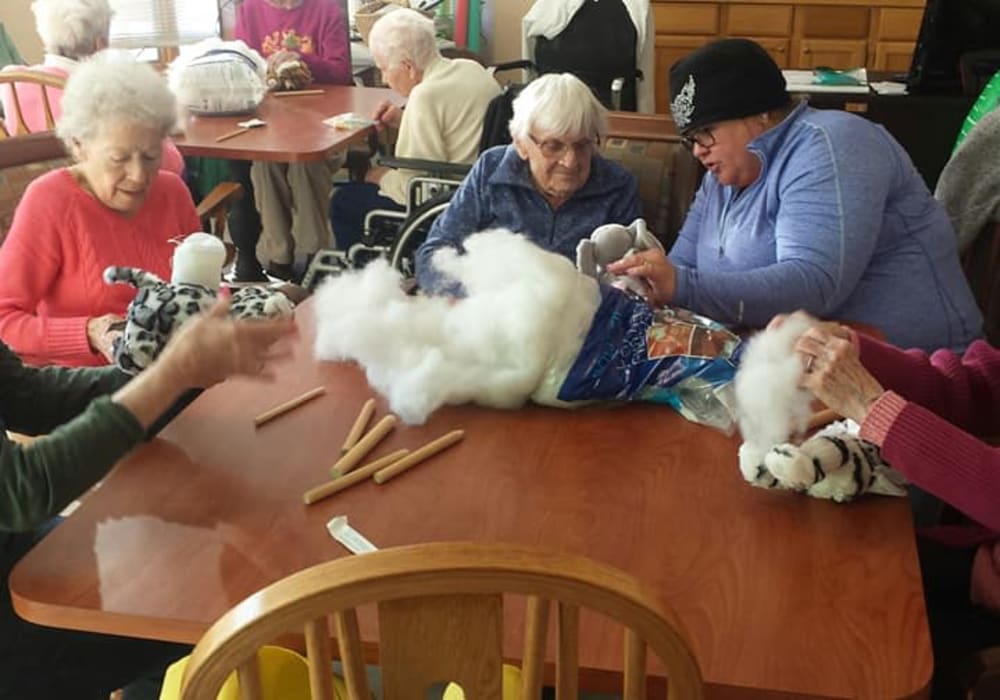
(550, 184)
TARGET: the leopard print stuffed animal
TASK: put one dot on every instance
(160, 308)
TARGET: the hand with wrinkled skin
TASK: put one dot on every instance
(101, 334)
(205, 351)
(833, 370)
(653, 268)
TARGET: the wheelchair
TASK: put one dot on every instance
(395, 235)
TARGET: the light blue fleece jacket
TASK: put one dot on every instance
(499, 192)
(840, 224)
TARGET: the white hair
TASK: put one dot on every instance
(113, 87)
(558, 103)
(404, 34)
(73, 28)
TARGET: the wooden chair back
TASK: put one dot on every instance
(440, 618)
(16, 84)
(22, 159)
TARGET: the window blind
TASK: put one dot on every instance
(139, 24)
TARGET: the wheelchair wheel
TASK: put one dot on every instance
(413, 232)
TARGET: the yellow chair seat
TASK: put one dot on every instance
(511, 686)
(284, 675)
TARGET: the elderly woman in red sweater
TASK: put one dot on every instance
(115, 206)
(927, 414)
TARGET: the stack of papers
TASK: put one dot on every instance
(808, 81)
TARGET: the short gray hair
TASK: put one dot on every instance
(112, 86)
(72, 28)
(558, 103)
(404, 34)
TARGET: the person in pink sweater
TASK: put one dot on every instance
(292, 197)
(115, 206)
(71, 30)
(928, 414)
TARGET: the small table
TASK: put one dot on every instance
(294, 132)
(783, 595)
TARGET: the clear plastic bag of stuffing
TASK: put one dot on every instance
(219, 78)
(669, 355)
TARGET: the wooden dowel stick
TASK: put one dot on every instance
(365, 445)
(360, 474)
(297, 93)
(360, 423)
(419, 455)
(822, 418)
(288, 406)
(231, 134)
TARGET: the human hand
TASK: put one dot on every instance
(387, 114)
(212, 346)
(653, 268)
(375, 174)
(834, 373)
(101, 334)
(835, 329)
(279, 57)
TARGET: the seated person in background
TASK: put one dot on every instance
(38, 480)
(550, 184)
(443, 120)
(113, 207)
(803, 208)
(969, 185)
(71, 30)
(923, 412)
(293, 197)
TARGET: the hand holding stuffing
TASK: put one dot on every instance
(652, 267)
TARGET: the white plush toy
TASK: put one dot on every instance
(833, 464)
(612, 242)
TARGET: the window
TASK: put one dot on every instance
(162, 24)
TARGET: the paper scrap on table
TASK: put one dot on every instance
(888, 87)
(341, 531)
(348, 121)
(251, 123)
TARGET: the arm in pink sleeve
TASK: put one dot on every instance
(331, 63)
(937, 456)
(963, 390)
(30, 262)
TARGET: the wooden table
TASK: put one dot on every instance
(294, 131)
(783, 595)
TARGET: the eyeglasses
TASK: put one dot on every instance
(554, 150)
(704, 137)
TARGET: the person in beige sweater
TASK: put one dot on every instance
(446, 100)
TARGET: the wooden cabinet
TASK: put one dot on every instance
(893, 34)
(797, 34)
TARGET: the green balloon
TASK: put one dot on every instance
(987, 101)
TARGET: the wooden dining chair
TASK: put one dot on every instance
(15, 85)
(440, 610)
(23, 158)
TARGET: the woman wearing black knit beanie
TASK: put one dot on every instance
(803, 209)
